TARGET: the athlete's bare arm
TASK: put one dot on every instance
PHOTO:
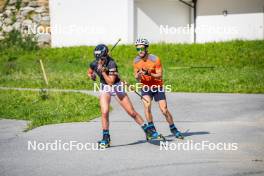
(158, 70)
(109, 79)
(91, 74)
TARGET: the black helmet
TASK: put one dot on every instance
(100, 51)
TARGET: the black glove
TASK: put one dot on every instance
(146, 72)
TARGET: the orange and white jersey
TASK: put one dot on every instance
(152, 63)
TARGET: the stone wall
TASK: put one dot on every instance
(31, 17)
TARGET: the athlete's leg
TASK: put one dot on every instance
(148, 95)
(125, 102)
(169, 118)
(164, 109)
(147, 108)
(148, 113)
(127, 105)
(105, 99)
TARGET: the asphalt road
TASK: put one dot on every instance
(235, 120)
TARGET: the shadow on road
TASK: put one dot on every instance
(134, 143)
(157, 141)
(154, 142)
(187, 133)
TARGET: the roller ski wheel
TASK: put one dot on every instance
(155, 135)
(105, 142)
(162, 137)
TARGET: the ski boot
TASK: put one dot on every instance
(177, 133)
(151, 133)
(105, 142)
(152, 127)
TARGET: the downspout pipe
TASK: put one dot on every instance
(194, 19)
(194, 6)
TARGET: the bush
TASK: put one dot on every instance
(15, 42)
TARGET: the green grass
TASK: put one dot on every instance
(42, 110)
(238, 66)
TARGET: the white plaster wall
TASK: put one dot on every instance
(89, 22)
(243, 21)
(150, 15)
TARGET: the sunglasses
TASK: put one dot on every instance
(140, 49)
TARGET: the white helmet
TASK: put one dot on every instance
(142, 41)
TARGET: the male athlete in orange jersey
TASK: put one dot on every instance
(148, 71)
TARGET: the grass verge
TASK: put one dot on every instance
(47, 108)
(238, 66)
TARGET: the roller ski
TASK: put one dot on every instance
(177, 133)
(152, 134)
(105, 142)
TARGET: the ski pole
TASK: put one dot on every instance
(109, 53)
(115, 45)
(136, 92)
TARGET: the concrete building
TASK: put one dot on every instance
(89, 22)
